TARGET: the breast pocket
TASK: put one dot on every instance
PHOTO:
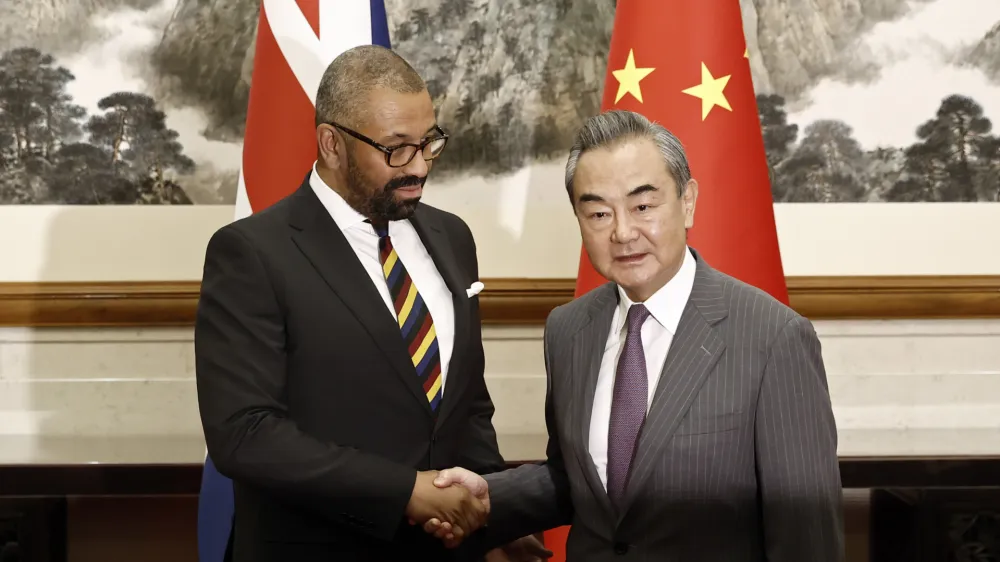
(701, 423)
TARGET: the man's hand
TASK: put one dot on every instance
(469, 480)
(455, 504)
(445, 529)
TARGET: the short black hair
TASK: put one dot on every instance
(353, 74)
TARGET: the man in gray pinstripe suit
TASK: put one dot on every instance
(688, 413)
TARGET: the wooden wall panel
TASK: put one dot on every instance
(504, 301)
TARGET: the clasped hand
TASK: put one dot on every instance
(449, 505)
(451, 531)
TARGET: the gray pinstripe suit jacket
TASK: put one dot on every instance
(737, 460)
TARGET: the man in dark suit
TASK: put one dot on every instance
(338, 342)
(688, 413)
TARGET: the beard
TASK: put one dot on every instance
(379, 203)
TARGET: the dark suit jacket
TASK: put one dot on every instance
(308, 397)
(737, 460)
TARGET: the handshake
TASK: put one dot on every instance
(451, 504)
(454, 503)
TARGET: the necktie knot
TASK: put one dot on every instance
(637, 314)
(381, 228)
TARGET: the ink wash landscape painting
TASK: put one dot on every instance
(143, 101)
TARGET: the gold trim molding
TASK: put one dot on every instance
(503, 301)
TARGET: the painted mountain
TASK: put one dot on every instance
(860, 100)
(986, 54)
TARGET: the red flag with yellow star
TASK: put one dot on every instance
(684, 64)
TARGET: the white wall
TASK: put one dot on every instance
(523, 227)
(899, 387)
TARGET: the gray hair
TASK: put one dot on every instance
(357, 71)
(615, 126)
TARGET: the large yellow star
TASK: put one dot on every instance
(710, 92)
(629, 77)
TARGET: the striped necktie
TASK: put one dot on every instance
(415, 322)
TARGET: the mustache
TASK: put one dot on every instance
(405, 181)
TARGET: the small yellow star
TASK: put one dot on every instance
(746, 53)
(629, 77)
(710, 92)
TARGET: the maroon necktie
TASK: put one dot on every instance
(628, 405)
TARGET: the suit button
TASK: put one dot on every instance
(621, 548)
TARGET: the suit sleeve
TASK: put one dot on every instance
(480, 452)
(533, 497)
(796, 449)
(240, 344)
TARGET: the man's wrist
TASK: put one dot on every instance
(429, 475)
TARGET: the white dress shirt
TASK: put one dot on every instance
(665, 306)
(411, 251)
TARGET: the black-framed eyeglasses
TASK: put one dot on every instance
(401, 154)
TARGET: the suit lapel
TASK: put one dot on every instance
(436, 241)
(588, 349)
(327, 249)
(693, 352)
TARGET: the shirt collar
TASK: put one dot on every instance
(667, 304)
(343, 214)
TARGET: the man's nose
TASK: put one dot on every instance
(624, 230)
(417, 167)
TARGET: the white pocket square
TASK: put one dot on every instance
(474, 289)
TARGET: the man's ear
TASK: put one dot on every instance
(330, 146)
(689, 198)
